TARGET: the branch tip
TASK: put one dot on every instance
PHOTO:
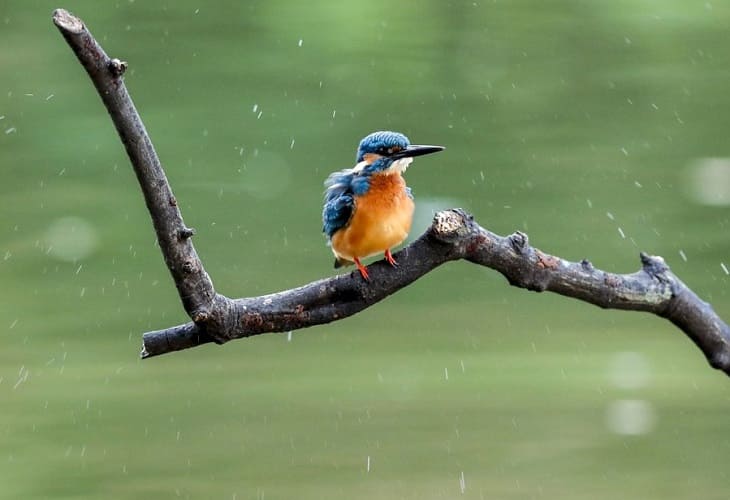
(67, 21)
(720, 361)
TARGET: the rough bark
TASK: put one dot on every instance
(453, 235)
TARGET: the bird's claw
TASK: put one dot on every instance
(389, 258)
(362, 269)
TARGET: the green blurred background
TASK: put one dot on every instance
(600, 128)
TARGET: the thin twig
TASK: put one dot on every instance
(453, 235)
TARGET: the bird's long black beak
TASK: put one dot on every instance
(416, 150)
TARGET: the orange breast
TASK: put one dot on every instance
(382, 219)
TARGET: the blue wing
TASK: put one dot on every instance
(339, 201)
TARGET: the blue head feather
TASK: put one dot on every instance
(380, 142)
(343, 186)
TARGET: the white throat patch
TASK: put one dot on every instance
(358, 167)
(399, 166)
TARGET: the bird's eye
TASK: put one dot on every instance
(388, 151)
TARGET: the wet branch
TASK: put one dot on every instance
(453, 235)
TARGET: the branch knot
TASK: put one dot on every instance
(654, 266)
(189, 267)
(200, 317)
(117, 67)
(186, 233)
(519, 241)
(450, 225)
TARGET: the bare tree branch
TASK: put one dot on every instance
(453, 235)
(193, 284)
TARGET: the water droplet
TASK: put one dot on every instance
(629, 371)
(630, 417)
(70, 239)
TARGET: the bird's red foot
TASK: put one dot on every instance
(361, 268)
(390, 259)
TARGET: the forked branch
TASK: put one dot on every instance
(453, 235)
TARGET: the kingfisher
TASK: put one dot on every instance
(368, 209)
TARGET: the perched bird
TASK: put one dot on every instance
(368, 209)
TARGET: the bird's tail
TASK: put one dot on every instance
(340, 262)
